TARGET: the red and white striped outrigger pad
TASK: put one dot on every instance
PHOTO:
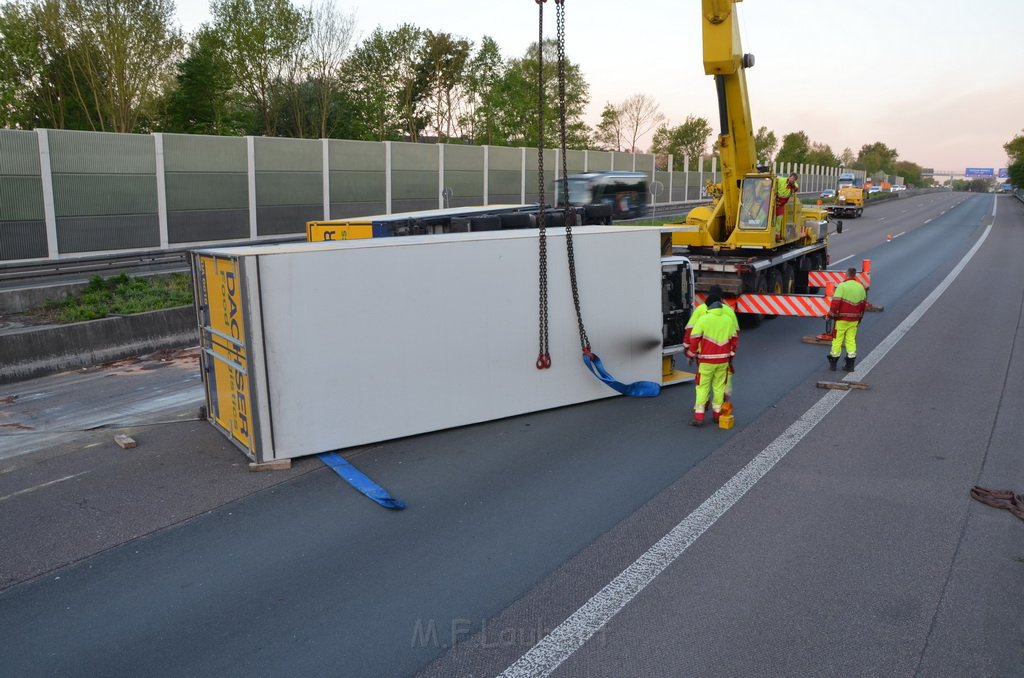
(823, 278)
(803, 305)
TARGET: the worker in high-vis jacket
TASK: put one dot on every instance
(785, 188)
(714, 294)
(848, 304)
(713, 341)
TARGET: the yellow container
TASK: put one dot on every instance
(726, 421)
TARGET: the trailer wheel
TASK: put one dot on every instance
(788, 280)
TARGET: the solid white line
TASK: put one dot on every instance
(39, 487)
(548, 654)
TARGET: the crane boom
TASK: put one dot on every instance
(724, 59)
(755, 237)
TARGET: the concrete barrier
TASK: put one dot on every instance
(36, 351)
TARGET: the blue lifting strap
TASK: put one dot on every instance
(638, 389)
(360, 481)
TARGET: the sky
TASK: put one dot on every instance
(941, 81)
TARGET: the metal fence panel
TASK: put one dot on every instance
(73, 152)
(414, 177)
(22, 240)
(76, 235)
(599, 161)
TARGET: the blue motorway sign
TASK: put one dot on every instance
(1003, 173)
(980, 172)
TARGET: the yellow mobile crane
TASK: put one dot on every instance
(746, 240)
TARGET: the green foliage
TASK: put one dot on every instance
(795, 147)
(765, 144)
(381, 76)
(689, 139)
(262, 41)
(821, 155)
(122, 295)
(877, 157)
(608, 133)
(1015, 153)
(440, 71)
(479, 124)
(516, 98)
(1016, 173)
(911, 172)
(203, 102)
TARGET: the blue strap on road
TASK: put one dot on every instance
(360, 481)
(638, 389)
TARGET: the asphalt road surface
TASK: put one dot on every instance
(829, 533)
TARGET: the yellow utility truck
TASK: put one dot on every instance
(750, 240)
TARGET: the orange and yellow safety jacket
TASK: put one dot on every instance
(849, 301)
(714, 337)
(698, 313)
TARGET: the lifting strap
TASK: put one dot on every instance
(360, 481)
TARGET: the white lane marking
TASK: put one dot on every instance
(834, 263)
(548, 654)
(899, 234)
(927, 221)
(39, 487)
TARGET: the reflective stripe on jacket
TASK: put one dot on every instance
(698, 313)
(849, 301)
(714, 336)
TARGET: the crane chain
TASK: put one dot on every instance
(543, 354)
(568, 213)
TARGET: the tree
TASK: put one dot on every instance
(609, 132)
(485, 69)
(689, 140)
(847, 158)
(822, 155)
(441, 81)
(124, 51)
(876, 157)
(911, 172)
(1015, 153)
(765, 143)
(795, 147)
(20, 60)
(203, 102)
(330, 39)
(639, 115)
(380, 75)
(261, 39)
(516, 99)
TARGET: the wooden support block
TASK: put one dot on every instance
(816, 340)
(874, 309)
(125, 442)
(843, 385)
(276, 465)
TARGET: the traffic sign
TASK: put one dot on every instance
(980, 172)
(1003, 173)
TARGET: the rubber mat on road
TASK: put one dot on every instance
(1004, 499)
(360, 481)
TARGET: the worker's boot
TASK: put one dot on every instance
(698, 419)
(848, 367)
(833, 362)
